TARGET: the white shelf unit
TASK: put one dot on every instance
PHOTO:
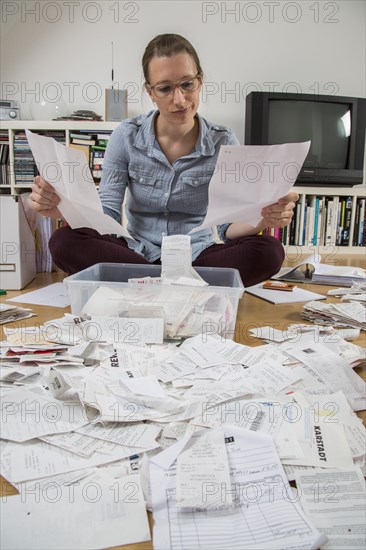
(356, 192)
(13, 127)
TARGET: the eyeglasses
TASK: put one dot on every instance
(186, 87)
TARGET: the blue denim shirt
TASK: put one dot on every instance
(162, 198)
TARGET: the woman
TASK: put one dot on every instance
(165, 160)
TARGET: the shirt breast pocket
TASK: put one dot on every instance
(142, 177)
(194, 188)
(144, 187)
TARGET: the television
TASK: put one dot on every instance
(335, 126)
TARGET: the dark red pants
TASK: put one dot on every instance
(256, 257)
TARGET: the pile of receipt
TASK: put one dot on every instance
(351, 312)
(207, 435)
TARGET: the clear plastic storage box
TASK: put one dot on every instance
(188, 310)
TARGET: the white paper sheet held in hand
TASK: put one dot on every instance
(67, 171)
(248, 178)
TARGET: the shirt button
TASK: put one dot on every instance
(141, 180)
(166, 194)
(215, 127)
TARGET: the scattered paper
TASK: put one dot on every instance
(203, 462)
(55, 295)
(281, 297)
(310, 270)
(263, 516)
(97, 512)
(335, 501)
(11, 314)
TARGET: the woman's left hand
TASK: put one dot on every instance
(280, 214)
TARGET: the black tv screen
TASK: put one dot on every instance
(334, 125)
(327, 125)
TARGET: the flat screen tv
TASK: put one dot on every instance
(335, 126)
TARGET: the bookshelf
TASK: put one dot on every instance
(320, 239)
(11, 135)
(292, 246)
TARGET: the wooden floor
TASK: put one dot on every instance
(252, 312)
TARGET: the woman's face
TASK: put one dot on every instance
(177, 108)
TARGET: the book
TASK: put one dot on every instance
(83, 141)
(83, 136)
(102, 142)
(84, 148)
(321, 223)
(340, 220)
(335, 220)
(329, 221)
(310, 224)
(347, 221)
(310, 270)
(316, 220)
(362, 226)
(356, 227)
(302, 220)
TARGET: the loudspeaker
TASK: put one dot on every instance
(115, 104)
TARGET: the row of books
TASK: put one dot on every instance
(4, 158)
(323, 221)
(93, 145)
(24, 166)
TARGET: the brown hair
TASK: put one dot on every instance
(167, 45)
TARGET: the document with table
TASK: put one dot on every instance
(227, 490)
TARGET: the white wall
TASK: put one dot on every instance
(309, 46)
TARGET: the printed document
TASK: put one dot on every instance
(98, 512)
(55, 295)
(67, 171)
(335, 501)
(262, 515)
(249, 177)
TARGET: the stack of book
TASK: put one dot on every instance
(81, 115)
(93, 144)
(24, 166)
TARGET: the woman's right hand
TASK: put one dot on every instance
(44, 199)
